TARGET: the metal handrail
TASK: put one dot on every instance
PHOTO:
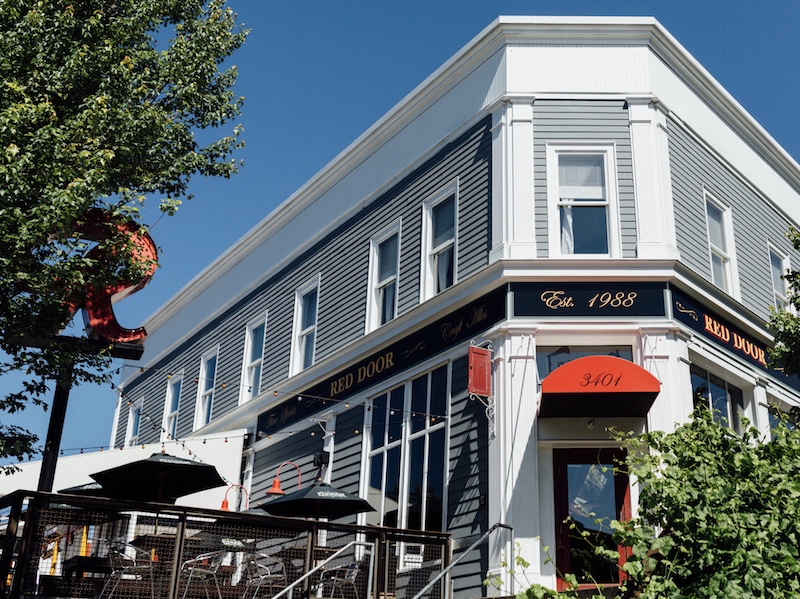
(452, 564)
(321, 566)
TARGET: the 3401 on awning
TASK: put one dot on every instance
(596, 386)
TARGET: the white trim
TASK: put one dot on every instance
(246, 390)
(205, 393)
(556, 149)
(296, 364)
(374, 293)
(430, 254)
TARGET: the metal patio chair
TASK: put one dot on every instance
(203, 568)
(263, 572)
(337, 579)
(128, 561)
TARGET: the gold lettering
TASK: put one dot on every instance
(342, 384)
(715, 328)
(374, 367)
(451, 331)
(477, 316)
(557, 299)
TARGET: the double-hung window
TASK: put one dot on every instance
(134, 422)
(715, 393)
(439, 230)
(779, 265)
(305, 326)
(582, 201)
(720, 245)
(383, 273)
(174, 384)
(253, 359)
(205, 388)
(407, 457)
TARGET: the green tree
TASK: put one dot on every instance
(719, 513)
(103, 104)
(786, 324)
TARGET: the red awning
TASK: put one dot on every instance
(598, 386)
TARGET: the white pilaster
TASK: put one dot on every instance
(655, 215)
(512, 181)
(514, 476)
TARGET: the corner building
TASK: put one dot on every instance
(576, 195)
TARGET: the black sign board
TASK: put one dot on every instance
(596, 299)
(724, 334)
(459, 327)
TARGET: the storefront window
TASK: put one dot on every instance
(548, 358)
(407, 457)
(725, 400)
(589, 494)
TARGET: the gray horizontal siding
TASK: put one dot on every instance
(341, 260)
(298, 448)
(467, 481)
(756, 222)
(346, 466)
(590, 121)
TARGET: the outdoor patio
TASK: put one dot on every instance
(58, 545)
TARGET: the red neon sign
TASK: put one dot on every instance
(97, 302)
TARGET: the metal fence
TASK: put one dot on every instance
(57, 545)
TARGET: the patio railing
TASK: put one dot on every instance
(55, 545)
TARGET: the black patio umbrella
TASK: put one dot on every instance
(320, 500)
(161, 477)
(95, 489)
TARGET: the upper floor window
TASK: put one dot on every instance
(383, 273)
(305, 326)
(172, 406)
(205, 388)
(134, 422)
(439, 226)
(253, 359)
(720, 245)
(724, 399)
(582, 201)
(779, 265)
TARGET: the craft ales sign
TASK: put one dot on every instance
(458, 327)
(595, 299)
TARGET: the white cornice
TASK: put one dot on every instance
(503, 32)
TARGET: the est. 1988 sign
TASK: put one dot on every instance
(596, 299)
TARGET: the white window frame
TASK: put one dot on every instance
(301, 334)
(205, 392)
(171, 416)
(780, 296)
(248, 389)
(726, 254)
(132, 435)
(431, 254)
(376, 288)
(404, 443)
(733, 418)
(555, 202)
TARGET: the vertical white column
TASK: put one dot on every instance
(655, 214)
(513, 228)
(514, 476)
(665, 356)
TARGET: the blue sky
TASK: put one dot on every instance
(317, 74)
